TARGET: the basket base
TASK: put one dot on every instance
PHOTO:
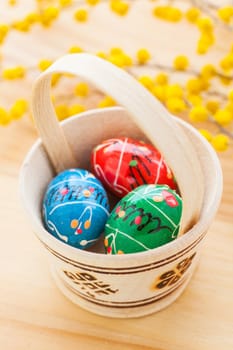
(131, 312)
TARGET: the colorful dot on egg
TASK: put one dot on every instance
(138, 220)
(133, 163)
(157, 198)
(64, 191)
(83, 242)
(86, 193)
(109, 250)
(120, 252)
(105, 242)
(170, 199)
(74, 223)
(121, 213)
(87, 224)
(118, 209)
(79, 231)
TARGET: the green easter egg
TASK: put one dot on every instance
(146, 218)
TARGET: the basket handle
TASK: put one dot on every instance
(150, 115)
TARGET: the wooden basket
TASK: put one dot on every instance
(129, 285)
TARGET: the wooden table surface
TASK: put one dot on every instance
(33, 313)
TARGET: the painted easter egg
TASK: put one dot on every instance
(146, 218)
(122, 164)
(75, 208)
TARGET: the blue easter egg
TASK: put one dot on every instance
(75, 208)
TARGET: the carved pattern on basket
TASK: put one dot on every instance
(90, 285)
(173, 276)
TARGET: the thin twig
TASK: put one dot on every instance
(221, 128)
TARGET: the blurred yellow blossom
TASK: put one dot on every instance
(81, 15)
(143, 56)
(220, 142)
(181, 62)
(198, 113)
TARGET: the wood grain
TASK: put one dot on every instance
(33, 313)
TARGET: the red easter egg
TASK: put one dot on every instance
(122, 164)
